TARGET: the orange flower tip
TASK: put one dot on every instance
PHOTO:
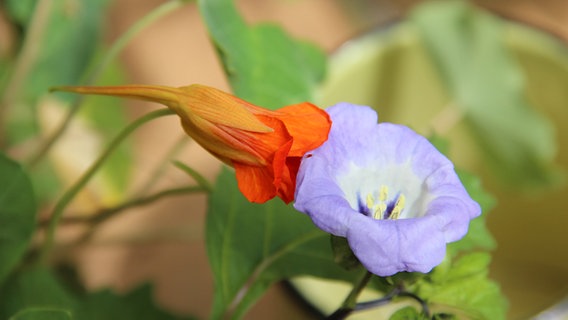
(161, 94)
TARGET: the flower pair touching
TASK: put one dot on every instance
(396, 199)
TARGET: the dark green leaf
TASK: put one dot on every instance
(342, 253)
(34, 288)
(32, 293)
(20, 10)
(264, 64)
(487, 84)
(136, 305)
(17, 214)
(250, 246)
(463, 285)
(70, 42)
(42, 314)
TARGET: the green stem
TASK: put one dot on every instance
(70, 194)
(112, 53)
(25, 60)
(350, 301)
(104, 215)
(201, 181)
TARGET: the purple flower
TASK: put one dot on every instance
(396, 199)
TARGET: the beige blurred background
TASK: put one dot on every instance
(175, 51)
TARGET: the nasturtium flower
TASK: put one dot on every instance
(265, 147)
(396, 199)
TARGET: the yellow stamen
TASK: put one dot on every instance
(398, 206)
(383, 193)
(380, 210)
(370, 202)
(378, 206)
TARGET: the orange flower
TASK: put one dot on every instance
(265, 147)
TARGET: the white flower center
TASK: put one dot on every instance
(391, 191)
(379, 208)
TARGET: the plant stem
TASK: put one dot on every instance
(423, 304)
(70, 194)
(201, 181)
(114, 50)
(396, 292)
(350, 302)
(104, 215)
(111, 212)
(26, 59)
(378, 302)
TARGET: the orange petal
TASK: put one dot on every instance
(255, 183)
(288, 181)
(262, 183)
(307, 124)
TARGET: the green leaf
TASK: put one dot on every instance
(478, 236)
(33, 288)
(42, 314)
(250, 246)
(136, 305)
(342, 253)
(33, 293)
(485, 81)
(265, 66)
(17, 214)
(407, 313)
(20, 11)
(69, 41)
(465, 287)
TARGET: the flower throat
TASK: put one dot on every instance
(379, 208)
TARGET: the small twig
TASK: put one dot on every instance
(378, 302)
(350, 302)
(109, 213)
(104, 214)
(343, 312)
(423, 303)
(201, 181)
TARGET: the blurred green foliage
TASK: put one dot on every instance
(487, 85)
(252, 246)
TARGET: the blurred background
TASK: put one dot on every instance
(163, 243)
